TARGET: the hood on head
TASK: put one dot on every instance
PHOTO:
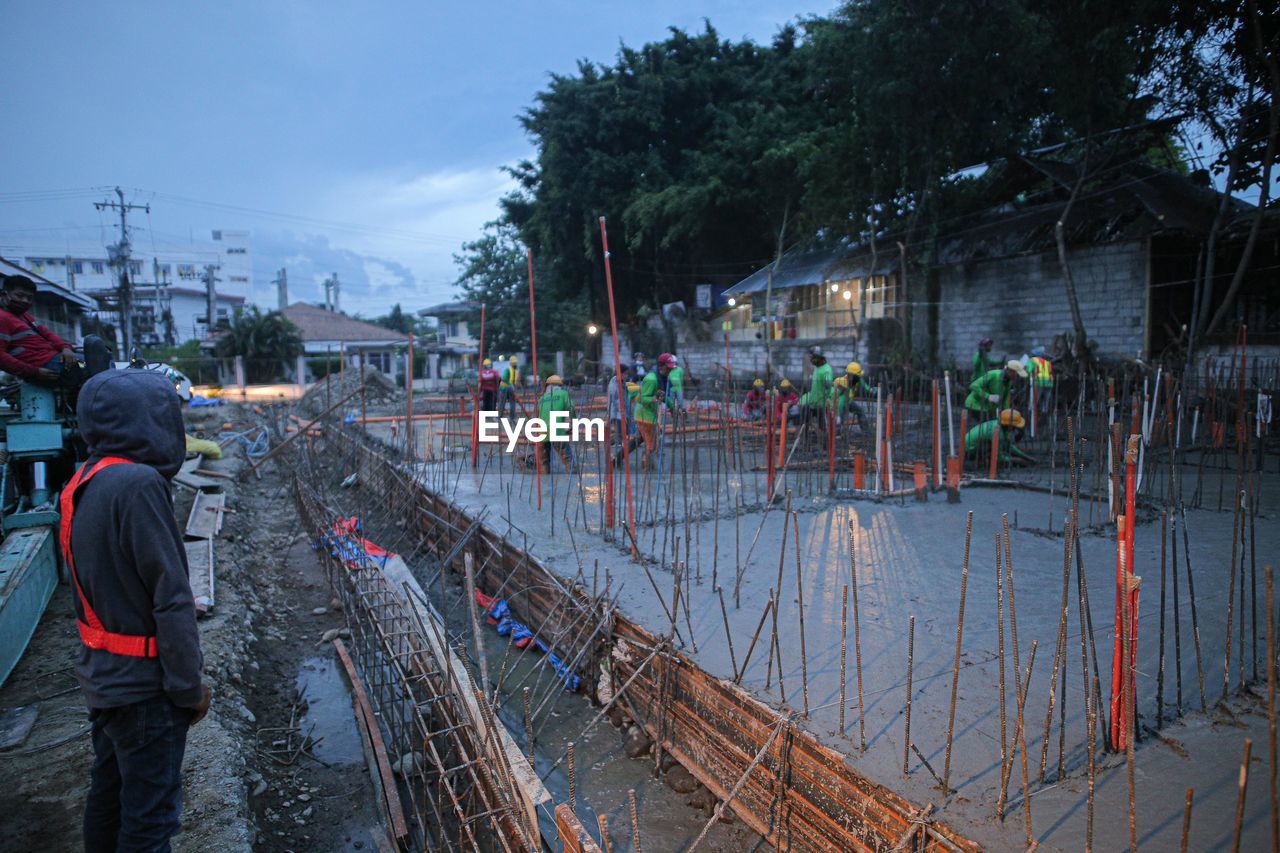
(135, 414)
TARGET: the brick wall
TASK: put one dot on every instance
(1021, 302)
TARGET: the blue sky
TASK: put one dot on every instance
(365, 139)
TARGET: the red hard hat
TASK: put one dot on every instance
(666, 360)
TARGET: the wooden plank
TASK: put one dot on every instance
(387, 781)
(205, 520)
(200, 570)
(188, 477)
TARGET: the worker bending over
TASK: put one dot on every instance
(813, 405)
(844, 396)
(754, 403)
(556, 399)
(1010, 424)
(993, 391)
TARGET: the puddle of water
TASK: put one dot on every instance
(329, 709)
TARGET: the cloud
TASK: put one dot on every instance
(416, 220)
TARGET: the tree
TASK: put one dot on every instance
(266, 342)
(396, 320)
(495, 275)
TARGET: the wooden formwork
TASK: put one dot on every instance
(801, 795)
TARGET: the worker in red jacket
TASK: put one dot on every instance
(28, 350)
(489, 381)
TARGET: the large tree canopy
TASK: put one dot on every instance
(708, 156)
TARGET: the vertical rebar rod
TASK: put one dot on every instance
(1242, 789)
(955, 667)
(804, 654)
(844, 631)
(857, 636)
(635, 821)
(906, 723)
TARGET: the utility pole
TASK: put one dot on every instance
(331, 293)
(119, 257)
(210, 298)
(282, 288)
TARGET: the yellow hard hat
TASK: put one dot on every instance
(759, 383)
(488, 363)
(786, 383)
(554, 379)
(842, 381)
(854, 369)
(1013, 418)
(633, 386)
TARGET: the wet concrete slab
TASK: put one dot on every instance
(909, 563)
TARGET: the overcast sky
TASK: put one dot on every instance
(298, 120)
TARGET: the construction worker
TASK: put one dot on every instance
(29, 350)
(982, 361)
(508, 382)
(489, 380)
(1010, 424)
(1041, 370)
(846, 401)
(675, 385)
(785, 399)
(813, 405)
(616, 405)
(993, 390)
(555, 398)
(139, 660)
(753, 404)
(650, 398)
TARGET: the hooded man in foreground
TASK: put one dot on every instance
(139, 664)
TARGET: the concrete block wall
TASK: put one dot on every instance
(705, 360)
(1021, 302)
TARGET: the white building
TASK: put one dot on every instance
(157, 267)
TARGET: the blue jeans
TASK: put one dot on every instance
(135, 792)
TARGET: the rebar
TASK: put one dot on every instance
(906, 722)
(955, 668)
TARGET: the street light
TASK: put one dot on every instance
(732, 302)
(835, 287)
(592, 328)
(848, 294)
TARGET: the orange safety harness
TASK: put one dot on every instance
(92, 632)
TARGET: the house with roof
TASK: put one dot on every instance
(331, 334)
(1135, 240)
(59, 308)
(455, 346)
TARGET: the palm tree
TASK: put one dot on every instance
(266, 341)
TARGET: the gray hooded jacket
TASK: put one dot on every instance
(127, 548)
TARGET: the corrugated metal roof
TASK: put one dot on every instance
(800, 269)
